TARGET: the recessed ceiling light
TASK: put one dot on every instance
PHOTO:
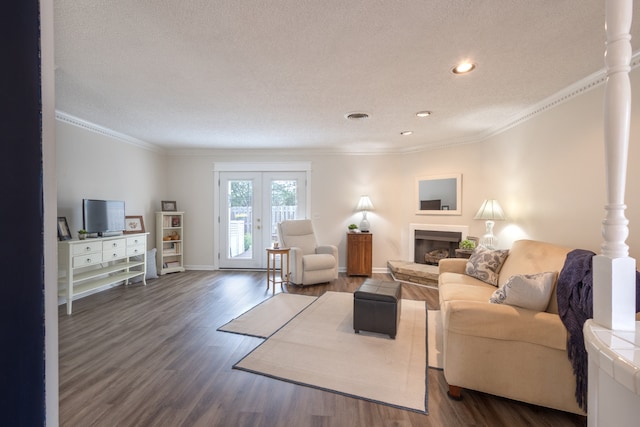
(406, 132)
(463, 68)
(423, 113)
(357, 116)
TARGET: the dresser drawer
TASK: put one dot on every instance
(113, 244)
(114, 254)
(87, 259)
(135, 241)
(85, 248)
(135, 250)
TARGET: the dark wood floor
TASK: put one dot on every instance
(151, 356)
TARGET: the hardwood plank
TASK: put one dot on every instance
(151, 356)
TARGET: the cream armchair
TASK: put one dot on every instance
(310, 263)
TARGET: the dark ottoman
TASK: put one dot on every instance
(376, 307)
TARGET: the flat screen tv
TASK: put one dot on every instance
(104, 217)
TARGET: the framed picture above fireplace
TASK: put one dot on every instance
(439, 194)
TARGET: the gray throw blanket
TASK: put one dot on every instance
(575, 306)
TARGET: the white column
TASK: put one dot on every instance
(614, 270)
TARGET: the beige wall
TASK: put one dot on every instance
(548, 174)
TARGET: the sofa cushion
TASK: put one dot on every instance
(530, 291)
(455, 286)
(504, 322)
(530, 257)
(485, 264)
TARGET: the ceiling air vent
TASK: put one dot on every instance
(357, 116)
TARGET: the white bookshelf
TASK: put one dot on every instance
(169, 242)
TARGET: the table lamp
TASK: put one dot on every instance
(489, 211)
(364, 205)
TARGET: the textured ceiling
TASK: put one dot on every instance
(255, 74)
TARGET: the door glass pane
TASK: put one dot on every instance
(284, 203)
(240, 217)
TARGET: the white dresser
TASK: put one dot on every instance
(90, 264)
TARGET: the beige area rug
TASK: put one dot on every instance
(318, 348)
(434, 334)
(267, 317)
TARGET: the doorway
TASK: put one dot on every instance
(251, 204)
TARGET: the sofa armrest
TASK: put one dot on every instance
(504, 322)
(452, 265)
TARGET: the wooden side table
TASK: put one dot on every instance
(359, 258)
(272, 254)
(463, 253)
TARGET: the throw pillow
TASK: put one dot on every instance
(152, 272)
(485, 264)
(531, 291)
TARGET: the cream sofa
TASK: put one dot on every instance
(502, 349)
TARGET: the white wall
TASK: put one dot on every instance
(95, 166)
(547, 173)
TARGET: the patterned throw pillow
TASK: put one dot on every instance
(485, 264)
(531, 291)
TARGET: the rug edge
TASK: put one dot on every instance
(406, 408)
(220, 328)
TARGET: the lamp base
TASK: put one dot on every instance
(489, 241)
(364, 224)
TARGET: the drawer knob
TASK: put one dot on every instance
(88, 261)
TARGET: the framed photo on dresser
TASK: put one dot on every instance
(63, 229)
(134, 224)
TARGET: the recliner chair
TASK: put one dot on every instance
(310, 263)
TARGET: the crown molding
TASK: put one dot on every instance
(101, 130)
(580, 87)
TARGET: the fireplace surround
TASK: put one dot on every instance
(431, 245)
(442, 237)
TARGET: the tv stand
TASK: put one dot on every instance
(99, 263)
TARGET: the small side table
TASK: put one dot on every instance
(463, 253)
(272, 254)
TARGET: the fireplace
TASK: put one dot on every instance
(433, 245)
(425, 238)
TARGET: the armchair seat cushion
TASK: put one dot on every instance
(318, 262)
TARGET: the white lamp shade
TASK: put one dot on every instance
(490, 210)
(364, 204)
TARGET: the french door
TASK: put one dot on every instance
(251, 206)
